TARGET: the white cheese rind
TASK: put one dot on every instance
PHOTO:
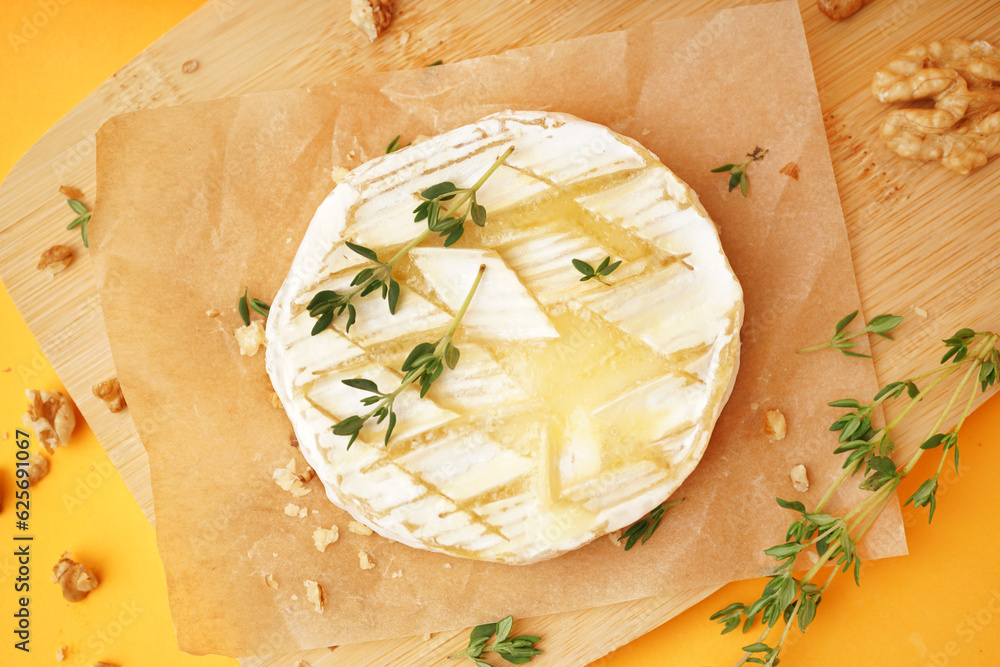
(517, 455)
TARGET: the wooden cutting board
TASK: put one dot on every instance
(921, 236)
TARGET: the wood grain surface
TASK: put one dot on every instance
(922, 237)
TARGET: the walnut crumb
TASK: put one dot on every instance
(51, 416)
(800, 480)
(315, 594)
(616, 538)
(290, 481)
(250, 338)
(61, 653)
(38, 467)
(365, 560)
(190, 67)
(69, 192)
(646, 132)
(404, 38)
(397, 574)
(447, 565)
(426, 637)
(338, 174)
(420, 138)
(75, 579)
(294, 510)
(920, 312)
(211, 312)
(755, 406)
(110, 392)
(275, 400)
(371, 16)
(55, 259)
(791, 170)
(359, 528)
(271, 583)
(775, 426)
(323, 538)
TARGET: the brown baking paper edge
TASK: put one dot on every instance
(194, 202)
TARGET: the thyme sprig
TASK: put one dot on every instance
(604, 269)
(448, 221)
(517, 650)
(842, 336)
(738, 172)
(394, 145)
(971, 356)
(645, 527)
(423, 365)
(82, 219)
(247, 303)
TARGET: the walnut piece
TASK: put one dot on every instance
(290, 481)
(61, 653)
(791, 170)
(365, 561)
(110, 392)
(359, 528)
(275, 400)
(269, 580)
(371, 16)
(323, 538)
(69, 192)
(315, 594)
(294, 510)
(75, 579)
(250, 338)
(338, 174)
(55, 259)
(51, 416)
(775, 426)
(839, 10)
(800, 480)
(962, 131)
(38, 467)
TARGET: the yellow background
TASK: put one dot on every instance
(940, 606)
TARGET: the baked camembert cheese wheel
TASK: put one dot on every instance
(576, 406)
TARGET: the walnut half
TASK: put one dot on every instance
(962, 79)
(75, 579)
(110, 392)
(51, 416)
